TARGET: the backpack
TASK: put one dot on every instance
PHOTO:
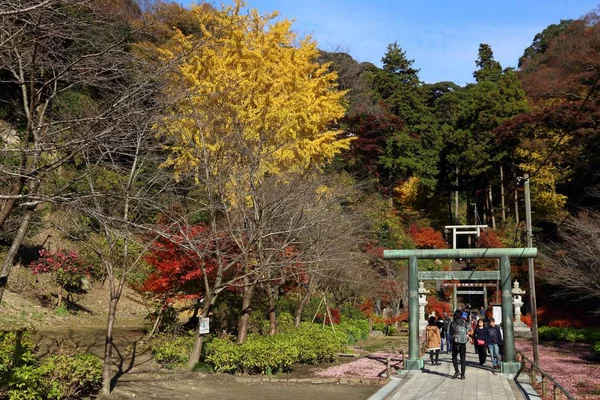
(460, 334)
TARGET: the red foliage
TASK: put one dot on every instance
(368, 307)
(335, 316)
(401, 317)
(427, 238)
(440, 307)
(66, 268)
(371, 130)
(526, 319)
(178, 267)
(561, 323)
(374, 250)
(563, 317)
(488, 239)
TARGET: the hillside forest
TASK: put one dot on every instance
(219, 164)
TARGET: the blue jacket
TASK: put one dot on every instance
(493, 335)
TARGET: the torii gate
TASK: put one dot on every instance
(414, 362)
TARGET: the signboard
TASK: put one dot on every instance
(497, 314)
(204, 325)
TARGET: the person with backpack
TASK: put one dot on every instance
(493, 342)
(446, 338)
(458, 331)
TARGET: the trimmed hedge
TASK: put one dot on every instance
(309, 344)
(586, 335)
(172, 351)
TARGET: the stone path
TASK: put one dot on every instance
(436, 383)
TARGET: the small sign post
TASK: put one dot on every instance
(204, 326)
(497, 314)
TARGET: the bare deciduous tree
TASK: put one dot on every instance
(572, 264)
(127, 189)
(55, 58)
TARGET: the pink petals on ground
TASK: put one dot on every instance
(566, 363)
(372, 366)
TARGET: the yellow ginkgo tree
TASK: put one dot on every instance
(251, 106)
(252, 97)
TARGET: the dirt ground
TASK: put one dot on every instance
(138, 376)
(30, 302)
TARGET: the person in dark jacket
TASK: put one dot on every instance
(493, 342)
(446, 338)
(458, 331)
(479, 341)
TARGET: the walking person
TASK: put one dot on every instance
(446, 337)
(458, 331)
(433, 340)
(479, 341)
(493, 341)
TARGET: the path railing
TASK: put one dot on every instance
(557, 390)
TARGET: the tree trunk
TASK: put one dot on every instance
(14, 248)
(108, 344)
(516, 197)
(303, 302)
(161, 311)
(60, 297)
(491, 206)
(246, 310)
(197, 350)
(502, 194)
(15, 190)
(272, 294)
(456, 200)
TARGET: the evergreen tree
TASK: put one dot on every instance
(413, 150)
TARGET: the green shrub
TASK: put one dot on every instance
(224, 355)
(550, 333)
(285, 322)
(308, 344)
(349, 311)
(263, 355)
(587, 335)
(355, 330)
(172, 351)
(317, 344)
(596, 348)
(202, 367)
(62, 311)
(70, 376)
(16, 349)
(388, 330)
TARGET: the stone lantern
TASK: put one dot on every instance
(422, 303)
(517, 300)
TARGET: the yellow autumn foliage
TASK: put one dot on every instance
(545, 172)
(251, 99)
(408, 191)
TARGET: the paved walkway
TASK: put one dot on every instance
(436, 383)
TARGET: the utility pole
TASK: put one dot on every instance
(532, 302)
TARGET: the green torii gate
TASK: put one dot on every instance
(414, 362)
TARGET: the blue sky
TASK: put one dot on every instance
(441, 35)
